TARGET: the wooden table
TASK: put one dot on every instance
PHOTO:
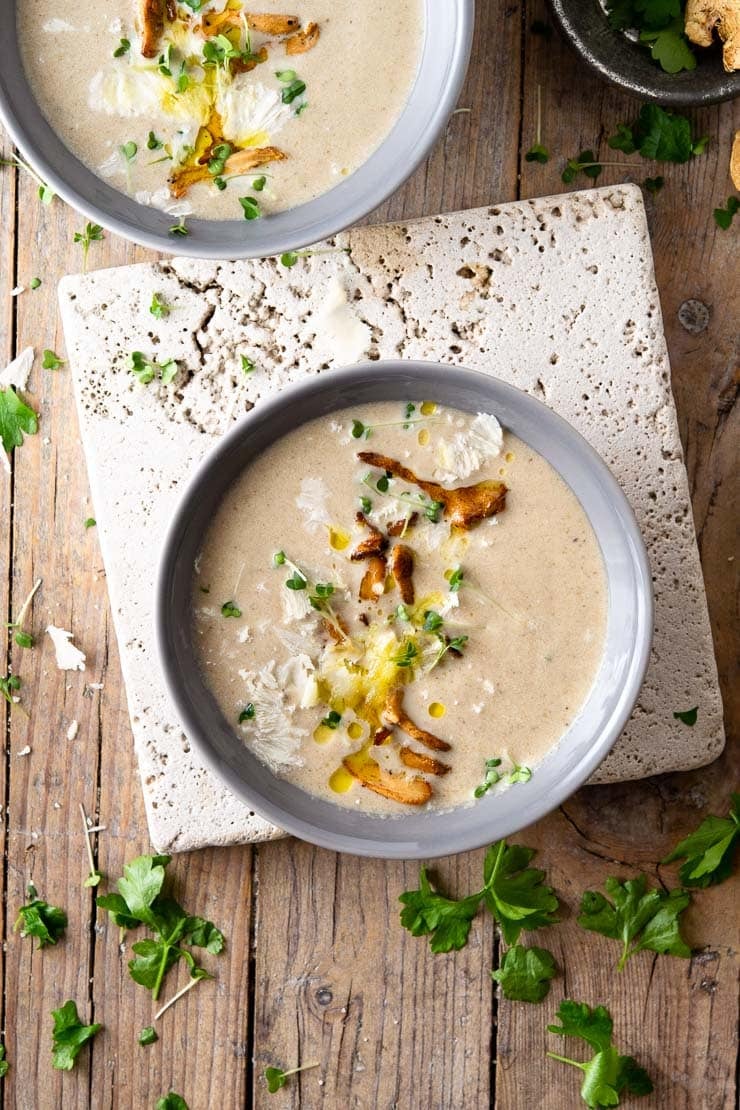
(318, 967)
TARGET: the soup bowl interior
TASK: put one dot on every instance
(444, 59)
(412, 834)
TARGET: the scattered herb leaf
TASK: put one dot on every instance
(123, 48)
(332, 720)
(129, 151)
(35, 282)
(4, 1065)
(171, 1101)
(709, 850)
(179, 228)
(230, 609)
(247, 365)
(537, 153)
(492, 776)
(158, 308)
(250, 207)
(653, 184)
(277, 1078)
(153, 143)
(90, 522)
(69, 1036)
(93, 233)
(16, 419)
(586, 163)
(723, 216)
(640, 918)
(659, 135)
(38, 919)
(446, 920)
(687, 716)
(247, 713)
(525, 973)
(259, 183)
(148, 1035)
(50, 360)
(292, 91)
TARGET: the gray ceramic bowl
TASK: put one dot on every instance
(628, 637)
(441, 73)
(614, 58)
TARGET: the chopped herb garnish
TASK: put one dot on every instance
(433, 510)
(247, 365)
(140, 901)
(277, 1078)
(492, 776)
(123, 48)
(24, 639)
(653, 184)
(687, 716)
(586, 163)
(16, 419)
(519, 774)
(146, 370)
(250, 207)
(382, 483)
(158, 308)
(432, 621)
(366, 504)
(179, 228)
(641, 919)
(164, 62)
(660, 27)
(183, 81)
(332, 720)
(230, 609)
(607, 1074)
(153, 143)
(709, 850)
(220, 183)
(259, 183)
(219, 154)
(292, 91)
(148, 1035)
(723, 216)
(129, 151)
(322, 591)
(93, 233)
(38, 919)
(35, 283)
(658, 134)
(359, 430)
(402, 613)
(407, 655)
(9, 687)
(69, 1036)
(279, 558)
(289, 258)
(50, 360)
(525, 973)
(455, 580)
(296, 581)
(247, 713)
(455, 644)
(90, 522)
(287, 76)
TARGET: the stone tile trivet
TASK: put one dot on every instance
(556, 295)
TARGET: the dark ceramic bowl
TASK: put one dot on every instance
(629, 66)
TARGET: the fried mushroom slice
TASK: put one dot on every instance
(303, 41)
(150, 21)
(390, 784)
(267, 24)
(394, 712)
(373, 580)
(241, 161)
(420, 762)
(398, 527)
(402, 569)
(463, 507)
(246, 65)
(375, 544)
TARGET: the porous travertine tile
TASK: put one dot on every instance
(555, 295)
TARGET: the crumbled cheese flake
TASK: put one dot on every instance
(69, 657)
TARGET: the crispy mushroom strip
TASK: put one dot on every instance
(421, 762)
(394, 713)
(375, 544)
(463, 507)
(246, 65)
(396, 786)
(402, 569)
(151, 19)
(303, 41)
(703, 17)
(273, 24)
(373, 580)
(398, 527)
(241, 161)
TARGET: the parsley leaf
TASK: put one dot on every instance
(687, 716)
(277, 1078)
(148, 1035)
(525, 973)
(670, 47)
(447, 920)
(51, 361)
(39, 919)
(69, 1036)
(4, 1065)
(16, 418)
(640, 918)
(514, 892)
(710, 849)
(250, 208)
(140, 901)
(659, 135)
(607, 1074)
(723, 216)
(146, 370)
(171, 1101)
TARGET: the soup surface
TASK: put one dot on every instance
(400, 605)
(192, 107)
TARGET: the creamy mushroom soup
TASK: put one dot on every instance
(400, 605)
(218, 109)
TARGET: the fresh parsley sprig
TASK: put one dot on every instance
(641, 919)
(41, 920)
(69, 1036)
(140, 901)
(513, 892)
(525, 973)
(607, 1074)
(16, 419)
(658, 135)
(709, 850)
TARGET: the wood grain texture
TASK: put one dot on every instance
(317, 967)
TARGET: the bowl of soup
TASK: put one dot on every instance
(403, 610)
(217, 130)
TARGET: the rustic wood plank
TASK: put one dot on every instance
(391, 1024)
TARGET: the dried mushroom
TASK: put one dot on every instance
(375, 544)
(402, 569)
(151, 19)
(303, 41)
(420, 762)
(704, 17)
(273, 24)
(396, 786)
(394, 713)
(463, 507)
(373, 580)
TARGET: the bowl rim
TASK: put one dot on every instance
(599, 59)
(369, 186)
(165, 620)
